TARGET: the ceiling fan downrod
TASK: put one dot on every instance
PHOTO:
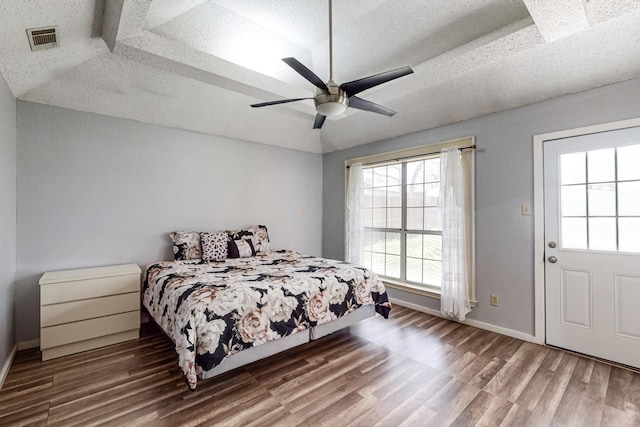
(330, 42)
(331, 99)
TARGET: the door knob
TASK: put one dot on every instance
(552, 245)
(552, 259)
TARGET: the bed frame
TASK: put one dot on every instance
(270, 348)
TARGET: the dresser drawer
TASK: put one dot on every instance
(67, 333)
(77, 347)
(55, 314)
(91, 288)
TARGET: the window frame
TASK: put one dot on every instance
(420, 153)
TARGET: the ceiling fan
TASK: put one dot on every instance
(331, 99)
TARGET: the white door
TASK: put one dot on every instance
(592, 238)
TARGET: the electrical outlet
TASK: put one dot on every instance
(526, 209)
(494, 300)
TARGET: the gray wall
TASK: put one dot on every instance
(504, 180)
(7, 218)
(95, 190)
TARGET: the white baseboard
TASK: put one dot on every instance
(7, 365)
(25, 345)
(471, 322)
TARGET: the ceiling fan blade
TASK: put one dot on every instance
(305, 72)
(280, 101)
(363, 104)
(357, 86)
(317, 124)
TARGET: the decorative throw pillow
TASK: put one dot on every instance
(240, 234)
(242, 248)
(261, 238)
(214, 246)
(241, 243)
(232, 248)
(186, 245)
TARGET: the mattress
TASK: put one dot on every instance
(215, 310)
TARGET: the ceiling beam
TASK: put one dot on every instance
(558, 19)
(122, 19)
(162, 11)
(176, 58)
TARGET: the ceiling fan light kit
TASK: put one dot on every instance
(331, 99)
(332, 102)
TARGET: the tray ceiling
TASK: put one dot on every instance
(198, 65)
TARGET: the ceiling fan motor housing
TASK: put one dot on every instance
(332, 102)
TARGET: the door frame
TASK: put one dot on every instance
(538, 213)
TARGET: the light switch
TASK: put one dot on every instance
(526, 209)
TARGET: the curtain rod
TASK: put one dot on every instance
(471, 147)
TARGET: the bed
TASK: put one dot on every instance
(224, 314)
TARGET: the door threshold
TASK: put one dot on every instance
(597, 359)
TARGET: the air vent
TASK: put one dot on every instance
(42, 38)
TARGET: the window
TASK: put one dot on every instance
(403, 234)
(403, 230)
(600, 209)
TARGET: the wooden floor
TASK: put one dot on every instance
(413, 370)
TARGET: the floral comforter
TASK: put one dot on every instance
(213, 310)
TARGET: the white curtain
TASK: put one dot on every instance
(355, 224)
(454, 299)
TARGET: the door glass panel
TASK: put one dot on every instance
(628, 161)
(629, 234)
(602, 234)
(574, 200)
(603, 217)
(573, 168)
(629, 198)
(602, 199)
(602, 165)
(574, 233)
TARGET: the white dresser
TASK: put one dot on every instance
(88, 308)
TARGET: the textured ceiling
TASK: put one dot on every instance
(199, 64)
